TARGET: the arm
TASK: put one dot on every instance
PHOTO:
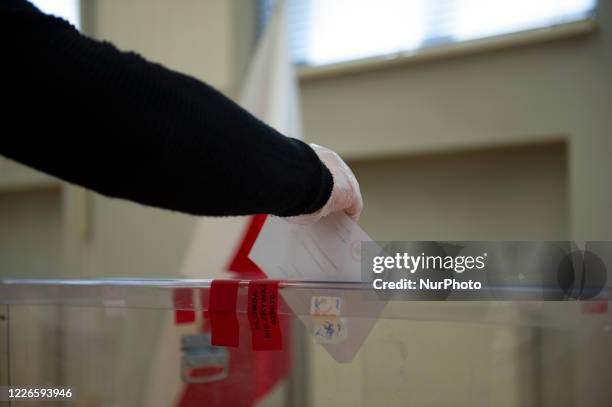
(113, 122)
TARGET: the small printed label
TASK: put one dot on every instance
(329, 329)
(320, 305)
(263, 315)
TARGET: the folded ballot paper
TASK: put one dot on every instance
(329, 250)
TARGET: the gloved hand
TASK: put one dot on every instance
(345, 195)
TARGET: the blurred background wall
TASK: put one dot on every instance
(508, 143)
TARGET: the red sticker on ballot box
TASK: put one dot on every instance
(263, 315)
(222, 312)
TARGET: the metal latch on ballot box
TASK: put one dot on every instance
(202, 362)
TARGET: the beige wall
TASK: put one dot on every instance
(30, 227)
(512, 193)
(510, 96)
(195, 38)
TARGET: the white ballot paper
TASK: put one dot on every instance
(329, 250)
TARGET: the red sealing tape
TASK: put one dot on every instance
(222, 312)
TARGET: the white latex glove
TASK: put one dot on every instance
(345, 195)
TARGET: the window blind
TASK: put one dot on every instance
(69, 10)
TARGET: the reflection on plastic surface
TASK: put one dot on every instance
(250, 374)
(202, 362)
(183, 298)
(549, 353)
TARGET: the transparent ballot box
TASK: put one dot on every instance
(172, 342)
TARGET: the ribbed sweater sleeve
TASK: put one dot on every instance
(111, 121)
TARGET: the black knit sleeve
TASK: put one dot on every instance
(113, 122)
